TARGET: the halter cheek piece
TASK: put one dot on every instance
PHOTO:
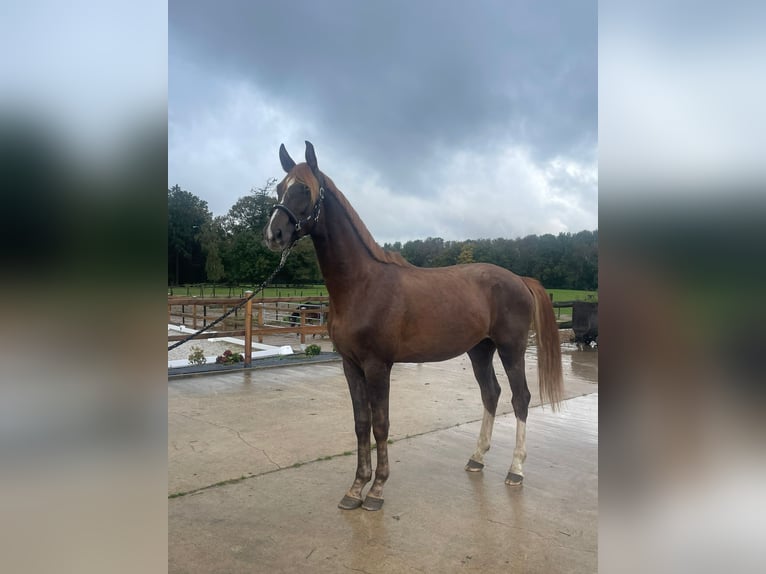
(299, 223)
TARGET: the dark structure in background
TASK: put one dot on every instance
(585, 323)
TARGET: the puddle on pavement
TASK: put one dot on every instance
(577, 363)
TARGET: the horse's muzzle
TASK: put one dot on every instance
(274, 237)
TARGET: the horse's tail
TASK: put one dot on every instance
(550, 376)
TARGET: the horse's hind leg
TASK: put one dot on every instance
(513, 362)
(481, 359)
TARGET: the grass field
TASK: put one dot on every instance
(238, 291)
(320, 290)
(573, 295)
(564, 314)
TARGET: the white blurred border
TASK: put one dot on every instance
(681, 190)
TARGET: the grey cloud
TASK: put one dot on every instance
(397, 84)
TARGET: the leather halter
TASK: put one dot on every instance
(299, 223)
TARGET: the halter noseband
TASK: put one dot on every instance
(299, 223)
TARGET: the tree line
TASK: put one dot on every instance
(229, 249)
(563, 261)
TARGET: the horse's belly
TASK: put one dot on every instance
(426, 351)
(417, 339)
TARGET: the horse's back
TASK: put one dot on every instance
(480, 285)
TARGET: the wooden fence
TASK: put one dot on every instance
(266, 316)
(558, 306)
(259, 317)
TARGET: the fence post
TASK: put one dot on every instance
(260, 321)
(248, 330)
(303, 324)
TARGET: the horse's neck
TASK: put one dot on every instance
(342, 255)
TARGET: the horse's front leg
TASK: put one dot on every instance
(378, 383)
(362, 421)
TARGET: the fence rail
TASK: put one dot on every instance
(211, 291)
(258, 318)
(266, 316)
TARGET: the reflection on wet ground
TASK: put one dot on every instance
(582, 363)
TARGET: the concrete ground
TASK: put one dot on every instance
(258, 461)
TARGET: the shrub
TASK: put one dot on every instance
(229, 358)
(197, 356)
(313, 350)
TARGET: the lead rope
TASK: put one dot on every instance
(262, 286)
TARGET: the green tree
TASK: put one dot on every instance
(568, 261)
(245, 257)
(187, 215)
(426, 253)
(212, 240)
(251, 213)
(466, 254)
(302, 267)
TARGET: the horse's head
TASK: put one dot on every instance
(299, 201)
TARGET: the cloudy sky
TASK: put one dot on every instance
(444, 119)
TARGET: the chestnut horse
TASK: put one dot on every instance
(384, 311)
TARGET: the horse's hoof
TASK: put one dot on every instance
(513, 479)
(474, 466)
(349, 503)
(372, 503)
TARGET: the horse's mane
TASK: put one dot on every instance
(376, 251)
(303, 174)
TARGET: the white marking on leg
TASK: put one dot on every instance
(485, 436)
(520, 452)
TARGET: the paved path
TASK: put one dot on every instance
(259, 460)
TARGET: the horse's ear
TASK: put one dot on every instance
(311, 157)
(285, 159)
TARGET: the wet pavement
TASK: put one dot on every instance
(258, 461)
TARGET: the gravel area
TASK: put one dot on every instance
(209, 347)
(215, 348)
